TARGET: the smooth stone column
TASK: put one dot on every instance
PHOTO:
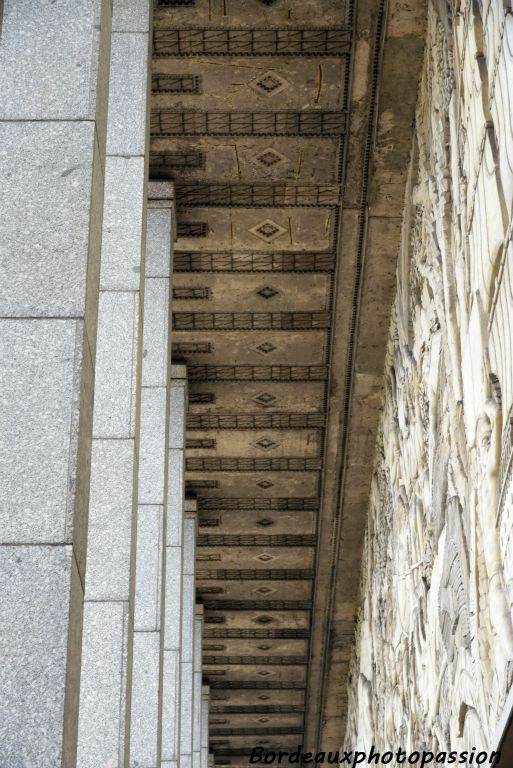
(104, 724)
(187, 663)
(205, 704)
(146, 708)
(54, 61)
(198, 678)
(174, 565)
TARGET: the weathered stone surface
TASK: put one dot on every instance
(41, 363)
(34, 611)
(122, 224)
(438, 564)
(114, 403)
(110, 520)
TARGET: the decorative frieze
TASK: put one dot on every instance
(434, 646)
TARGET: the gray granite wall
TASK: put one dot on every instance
(54, 76)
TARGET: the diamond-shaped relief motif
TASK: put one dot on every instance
(269, 84)
(267, 292)
(264, 522)
(265, 398)
(265, 673)
(263, 697)
(265, 484)
(270, 158)
(265, 443)
(263, 619)
(265, 557)
(264, 647)
(266, 348)
(263, 719)
(268, 230)
(264, 590)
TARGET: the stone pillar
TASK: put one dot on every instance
(205, 704)
(54, 65)
(197, 694)
(146, 709)
(172, 640)
(187, 663)
(109, 582)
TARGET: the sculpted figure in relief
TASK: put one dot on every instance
(434, 652)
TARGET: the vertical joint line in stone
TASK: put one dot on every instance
(188, 627)
(205, 705)
(196, 728)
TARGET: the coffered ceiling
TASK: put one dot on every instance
(264, 114)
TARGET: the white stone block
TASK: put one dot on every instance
(46, 216)
(49, 58)
(110, 520)
(101, 714)
(196, 721)
(171, 706)
(152, 445)
(122, 224)
(116, 364)
(128, 94)
(186, 710)
(178, 407)
(174, 598)
(148, 568)
(131, 15)
(155, 332)
(34, 614)
(175, 498)
(145, 700)
(188, 598)
(158, 243)
(189, 543)
(39, 390)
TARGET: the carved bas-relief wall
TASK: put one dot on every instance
(433, 661)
